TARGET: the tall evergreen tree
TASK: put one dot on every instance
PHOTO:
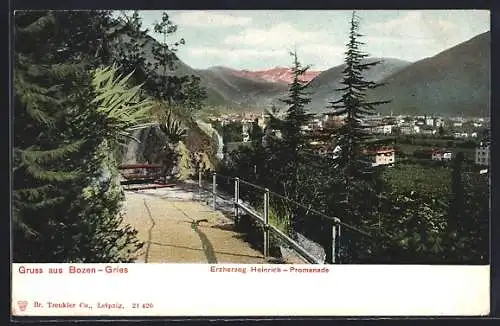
(40, 142)
(296, 117)
(66, 204)
(353, 137)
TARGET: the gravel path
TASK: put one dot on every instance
(177, 229)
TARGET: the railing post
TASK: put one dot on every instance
(338, 258)
(334, 243)
(199, 184)
(266, 223)
(236, 198)
(214, 189)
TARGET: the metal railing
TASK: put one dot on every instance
(263, 218)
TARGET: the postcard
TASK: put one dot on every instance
(251, 163)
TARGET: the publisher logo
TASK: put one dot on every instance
(22, 305)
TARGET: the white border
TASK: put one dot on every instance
(195, 290)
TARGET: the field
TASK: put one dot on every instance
(409, 149)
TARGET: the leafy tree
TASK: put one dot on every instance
(155, 69)
(195, 94)
(128, 40)
(165, 87)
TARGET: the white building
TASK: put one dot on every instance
(441, 155)
(384, 129)
(483, 154)
(262, 121)
(429, 121)
(382, 156)
(406, 130)
(438, 122)
(461, 135)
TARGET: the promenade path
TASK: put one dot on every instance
(178, 229)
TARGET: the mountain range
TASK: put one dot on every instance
(276, 75)
(453, 82)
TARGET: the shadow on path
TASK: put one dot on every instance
(197, 249)
(206, 245)
(148, 243)
(208, 249)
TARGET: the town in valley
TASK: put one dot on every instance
(428, 137)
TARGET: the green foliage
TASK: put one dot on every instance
(431, 182)
(256, 134)
(282, 156)
(42, 144)
(413, 213)
(456, 218)
(125, 107)
(156, 72)
(360, 181)
(419, 210)
(353, 135)
(173, 129)
(67, 199)
(231, 132)
(296, 115)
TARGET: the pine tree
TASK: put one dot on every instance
(353, 137)
(66, 201)
(296, 114)
(296, 117)
(40, 145)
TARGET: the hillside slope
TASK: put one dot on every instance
(241, 91)
(323, 87)
(453, 82)
(223, 87)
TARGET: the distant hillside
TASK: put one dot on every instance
(323, 87)
(242, 91)
(276, 75)
(223, 87)
(453, 82)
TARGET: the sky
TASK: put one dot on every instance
(258, 40)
